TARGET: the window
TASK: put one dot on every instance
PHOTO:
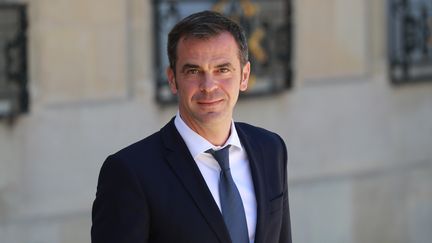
(268, 26)
(410, 40)
(13, 60)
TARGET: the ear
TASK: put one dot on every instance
(171, 80)
(245, 77)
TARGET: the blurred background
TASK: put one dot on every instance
(346, 83)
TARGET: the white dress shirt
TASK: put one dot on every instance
(210, 169)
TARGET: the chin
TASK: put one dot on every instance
(215, 117)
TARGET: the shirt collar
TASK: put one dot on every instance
(198, 144)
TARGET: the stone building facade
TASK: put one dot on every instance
(360, 157)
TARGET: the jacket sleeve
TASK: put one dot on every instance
(120, 213)
(285, 234)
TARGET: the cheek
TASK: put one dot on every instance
(232, 84)
(187, 89)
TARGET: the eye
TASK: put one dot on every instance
(192, 71)
(224, 70)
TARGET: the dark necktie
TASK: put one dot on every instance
(230, 200)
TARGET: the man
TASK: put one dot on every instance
(202, 178)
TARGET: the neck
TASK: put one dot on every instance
(217, 133)
(216, 136)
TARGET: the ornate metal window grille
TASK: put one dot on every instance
(410, 40)
(268, 24)
(13, 60)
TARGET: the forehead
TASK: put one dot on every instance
(221, 46)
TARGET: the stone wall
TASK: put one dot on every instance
(360, 163)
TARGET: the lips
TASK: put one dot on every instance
(209, 102)
(208, 99)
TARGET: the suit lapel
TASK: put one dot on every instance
(184, 166)
(256, 161)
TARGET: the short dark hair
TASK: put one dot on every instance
(204, 25)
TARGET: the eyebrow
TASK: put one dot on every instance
(194, 66)
(226, 65)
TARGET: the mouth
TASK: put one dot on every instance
(209, 102)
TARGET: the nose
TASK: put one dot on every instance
(208, 83)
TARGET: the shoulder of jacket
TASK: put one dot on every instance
(251, 129)
(257, 133)
(149, 143)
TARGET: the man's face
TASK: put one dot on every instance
(207, 79)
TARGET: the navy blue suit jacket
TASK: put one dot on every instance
(153, 191)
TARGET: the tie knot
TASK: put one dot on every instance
(221, 156)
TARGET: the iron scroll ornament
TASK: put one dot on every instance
(14, 96)
(410, 41)
(268, 27)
